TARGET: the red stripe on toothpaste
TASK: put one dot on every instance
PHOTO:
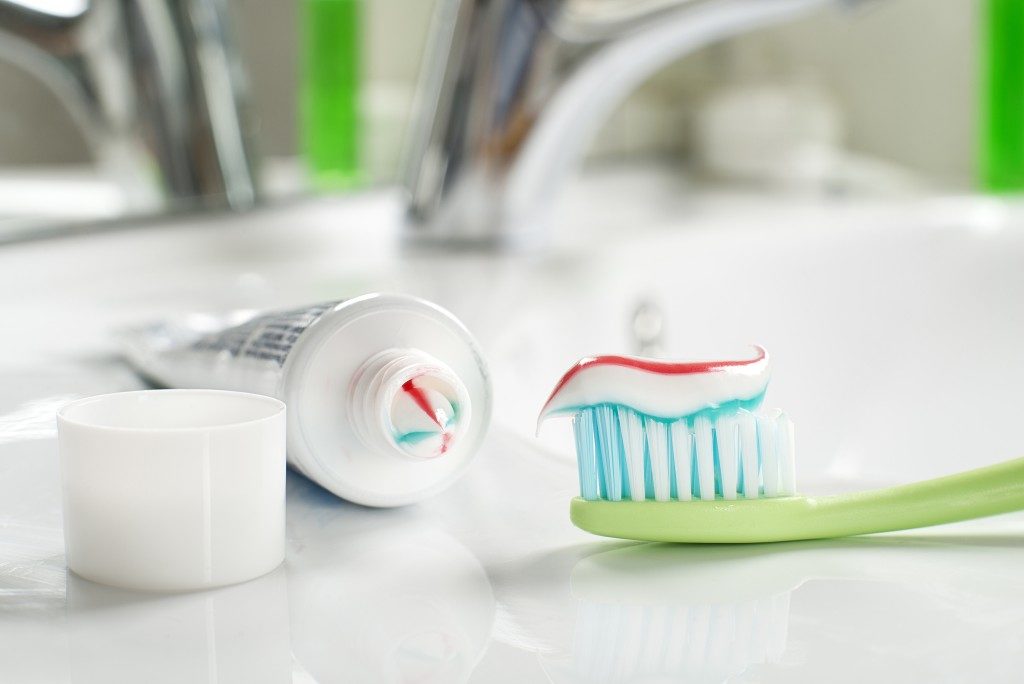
(670, 388)
(420, 399)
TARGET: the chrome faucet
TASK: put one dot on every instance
(154, 84)
(513, 90)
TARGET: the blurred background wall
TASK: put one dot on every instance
(900, 74)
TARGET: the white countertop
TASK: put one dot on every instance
(489, 582)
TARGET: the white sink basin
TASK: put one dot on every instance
(896, 339)
(895, 331)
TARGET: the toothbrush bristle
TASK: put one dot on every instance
(624, 454)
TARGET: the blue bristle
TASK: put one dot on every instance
(694, 478)
(608, 439)
(648, 476)
(583, 425)
(673, 486)
(716, 460)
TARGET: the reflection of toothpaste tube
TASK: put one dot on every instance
(388, 395)
(359, 615)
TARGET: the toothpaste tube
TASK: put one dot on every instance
(388, 395)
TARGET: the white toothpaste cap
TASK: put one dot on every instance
(173, 490)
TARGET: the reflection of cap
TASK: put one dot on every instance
(172, 490)
(234, 634)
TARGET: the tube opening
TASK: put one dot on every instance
(408, 403)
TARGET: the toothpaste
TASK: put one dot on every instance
(388, 395)
(661, 389)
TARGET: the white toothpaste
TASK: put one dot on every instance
(388, 396)
(661, 389)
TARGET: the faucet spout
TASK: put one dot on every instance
(155, 86)
(514, 90)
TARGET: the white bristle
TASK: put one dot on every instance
(731, 453)
(675, 634)
(749, 455)
(722, 633)
(682, 454)
(744, 626)
(704, 440)
(768, 444)
(787, 455)
(761, 624)
(656, 621)
(725, 434)
(658, 449)
(777, 637)
(632, 428)
(698, 625)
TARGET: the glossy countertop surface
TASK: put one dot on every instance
(489, 582)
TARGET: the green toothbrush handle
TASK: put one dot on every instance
(974, 494)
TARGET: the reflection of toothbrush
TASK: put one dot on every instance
(669, 623)
(653, 436)
(676, 612)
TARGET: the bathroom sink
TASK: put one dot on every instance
(894, 328)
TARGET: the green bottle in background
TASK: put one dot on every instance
(1001, 140)
(332, 70)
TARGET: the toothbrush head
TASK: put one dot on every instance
(684, 453)
(730, 454)
(665, 431)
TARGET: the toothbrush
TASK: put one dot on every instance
(684, 452)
